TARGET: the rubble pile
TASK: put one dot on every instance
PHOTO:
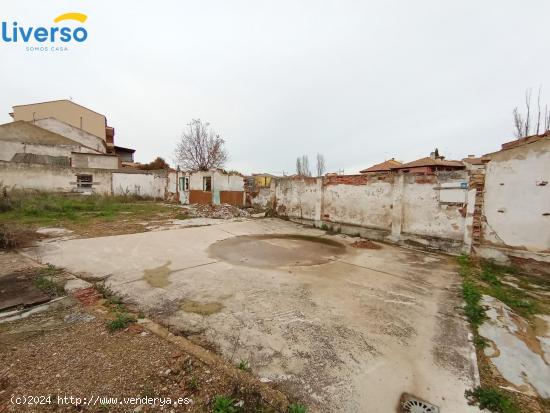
(222, 211)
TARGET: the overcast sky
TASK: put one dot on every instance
(359, 81)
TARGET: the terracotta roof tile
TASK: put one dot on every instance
(428, 161)
(382, 167)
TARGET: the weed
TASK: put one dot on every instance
(122, 320)
(193, 383)
(473, 310)
(110, 296)
(297, 408)
(224, 404)
(491, 399)
(14, 236)
(465, 265)
(324, 227)
(147, 391)
(244, 365)
(515, 299)
(44, 282)
(480, 342)
(52, 209)
(489, 276)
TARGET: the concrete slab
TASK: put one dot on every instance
(516, 350)
(349, 330)
(17, 289)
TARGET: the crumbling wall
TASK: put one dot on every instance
(148, 184)
(358, 200)
(425, 211)
(516, 207)
(262, 197)
(299, 197)
(51, 178)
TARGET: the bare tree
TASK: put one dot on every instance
(302, 166)
(321, 166)
(523, 124)
(200, 148)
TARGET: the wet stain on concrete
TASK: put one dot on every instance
(277, 250)
(158, 277)
(209, 308)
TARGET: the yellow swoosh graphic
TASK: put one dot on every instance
(71, 16)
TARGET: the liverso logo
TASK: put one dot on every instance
(57, 36)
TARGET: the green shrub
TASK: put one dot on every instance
(44, 282)
(244, 365)
(297, 408)
(223, 404)
(473, 310)
(122, 320)
(491, 399)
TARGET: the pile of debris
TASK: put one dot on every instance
(222, 211)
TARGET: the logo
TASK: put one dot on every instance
(58, 36)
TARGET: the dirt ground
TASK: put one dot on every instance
(343, 329)
(67, 350)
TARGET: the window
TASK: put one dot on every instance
(207, 183)
(84, 182)
(184, 183)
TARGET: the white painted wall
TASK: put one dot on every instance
(72, 132)
(515, 200)
(195, 179)
(299, 197)
(172, 183)
(50, 178)
(406, 207)
(423, 214)
(145, 184)
(365, 205)
(228, 182)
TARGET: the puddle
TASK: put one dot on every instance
(158, 277)
(210, 308)
(277, 250)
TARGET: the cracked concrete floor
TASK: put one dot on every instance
(345, 329)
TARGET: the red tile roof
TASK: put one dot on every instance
(429, 161)
(524, 141)
(472, 160)
(382, 167)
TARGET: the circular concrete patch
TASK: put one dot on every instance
(276, 250)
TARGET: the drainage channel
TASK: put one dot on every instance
(412, 404)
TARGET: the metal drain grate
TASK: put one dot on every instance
(410, 404)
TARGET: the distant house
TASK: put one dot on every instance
(214, 187)
(262, 180)
(70, 113)
(383, 167)
(429, 165)
(473, 163)
(126, 155)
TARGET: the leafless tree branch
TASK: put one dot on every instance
(523, 123)
(321, 166)
(200, 148)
